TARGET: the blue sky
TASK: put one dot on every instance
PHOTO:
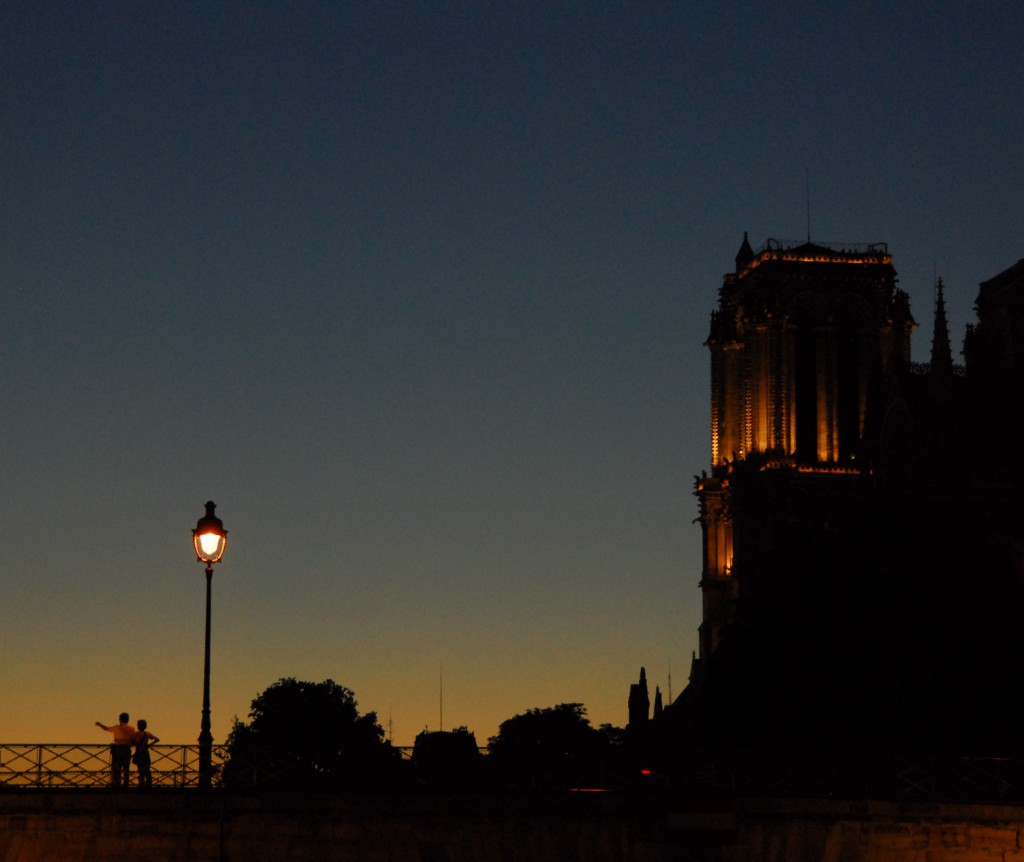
(416, 292)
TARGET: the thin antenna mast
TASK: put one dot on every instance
(807, 189)
(440, 716)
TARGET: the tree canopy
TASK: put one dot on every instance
(306, 734)
(549, 747)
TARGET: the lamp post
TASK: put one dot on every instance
(209, 538)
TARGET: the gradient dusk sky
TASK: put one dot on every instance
(417, 293)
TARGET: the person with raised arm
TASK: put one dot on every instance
(120, 749)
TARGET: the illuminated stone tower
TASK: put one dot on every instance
(804, 344)
(863, 516)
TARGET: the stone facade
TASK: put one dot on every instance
(862, 518)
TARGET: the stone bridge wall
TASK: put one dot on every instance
(111, 826)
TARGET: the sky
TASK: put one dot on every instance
(417, 292)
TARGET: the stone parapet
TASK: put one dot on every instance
(116, 826)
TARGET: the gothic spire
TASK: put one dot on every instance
(942, 356)
(745, 254)
(639, 703)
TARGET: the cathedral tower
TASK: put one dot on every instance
(862, 517)
(803, 342)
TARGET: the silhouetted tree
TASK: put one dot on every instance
(551, 747)
(309, 735)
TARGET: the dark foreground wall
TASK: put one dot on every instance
(97, 826)
(116, 826)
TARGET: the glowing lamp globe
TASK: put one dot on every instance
(209, 537)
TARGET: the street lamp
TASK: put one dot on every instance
(209, 539)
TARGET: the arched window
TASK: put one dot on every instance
(851, 315)
(807, 315)
(806, 395)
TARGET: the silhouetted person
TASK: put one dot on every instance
(141, 757)
(120, 749)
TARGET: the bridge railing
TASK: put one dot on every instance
(852, 775)
(78, 765)
(46, 765)
(848, 775)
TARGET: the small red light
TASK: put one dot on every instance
(645, 772)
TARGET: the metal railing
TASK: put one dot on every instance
(46, 765)
(923, 369)
(873, 776)
(53, 766)
(854, 248)
(71, 765)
